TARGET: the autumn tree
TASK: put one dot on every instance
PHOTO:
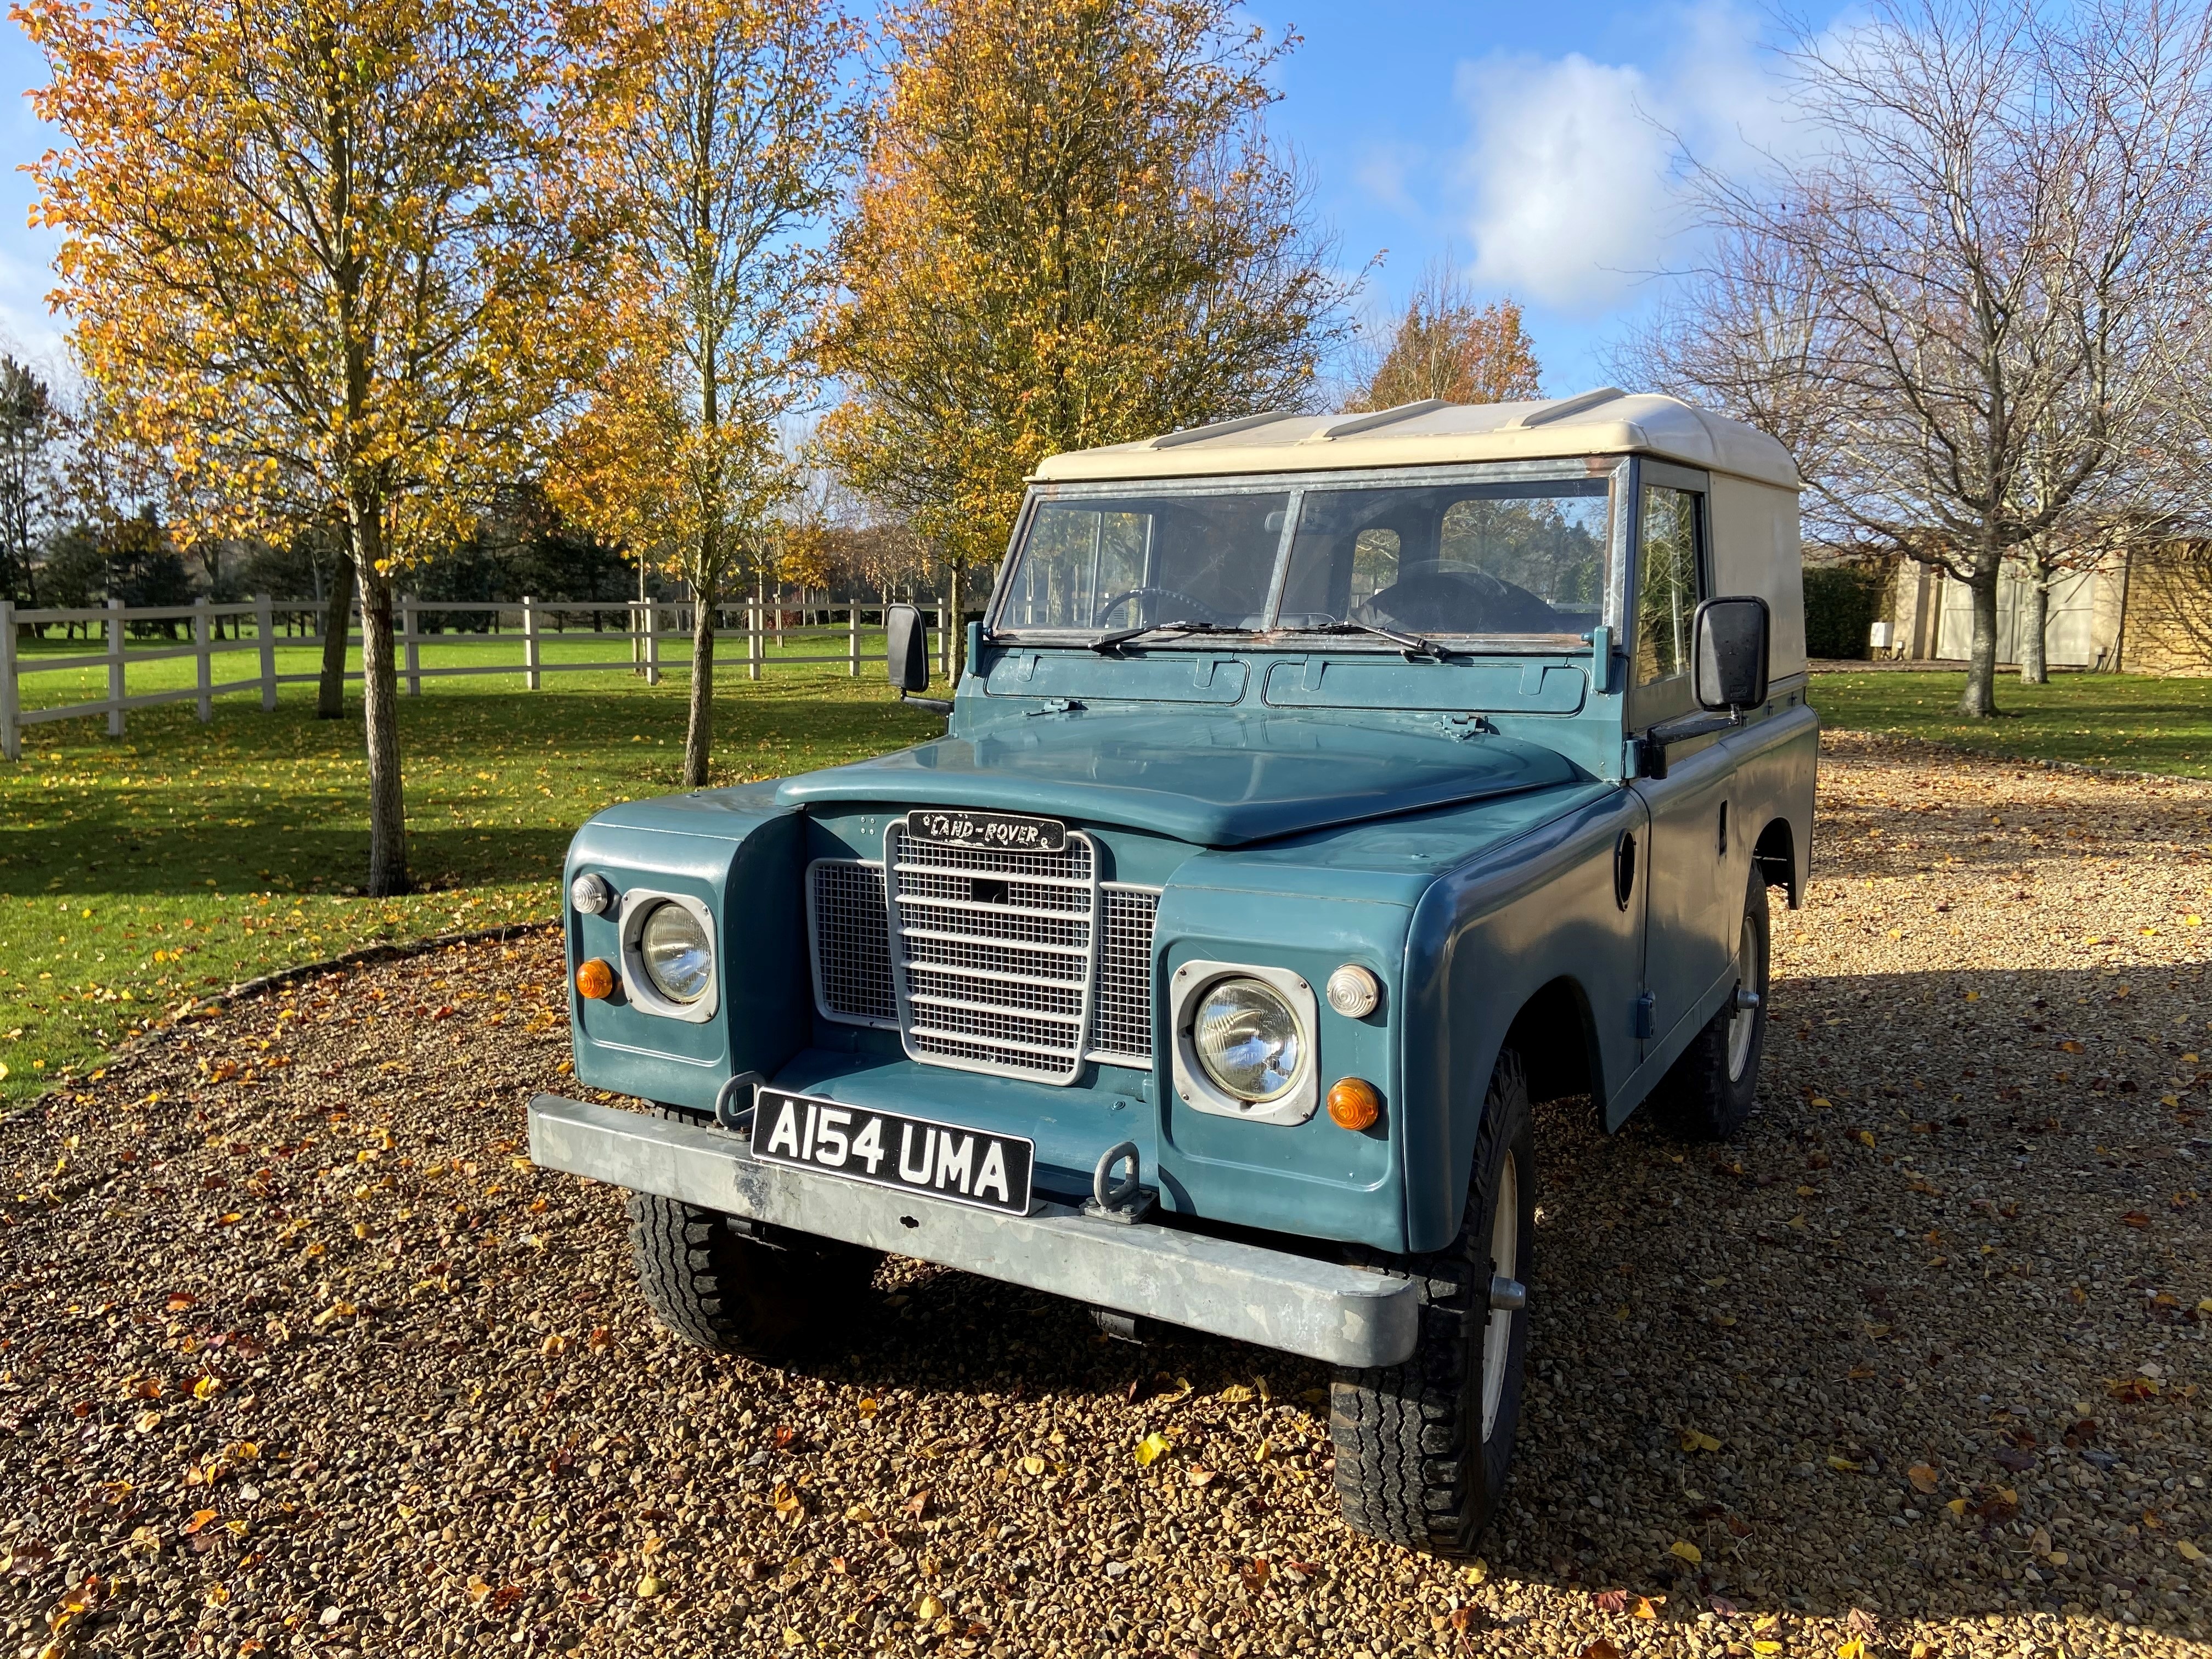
(30, 424)
(318, 258)
(1071, 229)
(728, 147)
(1956, 288)
(1443, 344)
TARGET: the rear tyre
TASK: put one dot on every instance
(732, 1286)
(1422, 1447)
(1707, 1094)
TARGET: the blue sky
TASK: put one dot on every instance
(1525, 142)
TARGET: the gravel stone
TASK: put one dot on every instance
(299, 1355)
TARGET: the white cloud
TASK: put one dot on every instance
(1567, 177)
(1568, 171)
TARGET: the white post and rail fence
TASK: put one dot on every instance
(656, 639)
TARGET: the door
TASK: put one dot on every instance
(1697, 869)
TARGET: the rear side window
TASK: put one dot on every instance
(1667, 584)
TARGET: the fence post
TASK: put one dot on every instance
(264, 619)
(852, 635)
(779, 616)
(115, 668)
(203, 636)
(410, 638)
(652, 643)
(944, 642)
(11, 740)
(529, 643)
(752, 640)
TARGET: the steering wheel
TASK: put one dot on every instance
(1207, 613)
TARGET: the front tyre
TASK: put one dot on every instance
(1707, 1094)
(720, 1282)
(1422, 1447)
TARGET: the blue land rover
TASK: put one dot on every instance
(1320, 790)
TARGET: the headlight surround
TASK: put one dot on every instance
(676, 953)
(1249, 1040)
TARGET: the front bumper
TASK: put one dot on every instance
(1341, 1315)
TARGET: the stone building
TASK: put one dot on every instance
(2145, 609)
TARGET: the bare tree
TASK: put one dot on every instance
(1951, 297)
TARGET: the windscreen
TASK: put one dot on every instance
(1461, 558)
(1520, 557)
(1100, 563)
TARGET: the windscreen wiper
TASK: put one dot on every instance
(1108, 644)
(1412, 644)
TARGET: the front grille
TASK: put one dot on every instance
(992, 954)
(996, 966)
(1121, 1012)
(852, 943)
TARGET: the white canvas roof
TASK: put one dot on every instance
(1606, 421)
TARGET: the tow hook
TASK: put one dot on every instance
(1507, 1295)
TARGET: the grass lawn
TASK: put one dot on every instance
(139, 872)
(2131, 722)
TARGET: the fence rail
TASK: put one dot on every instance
(654, 625)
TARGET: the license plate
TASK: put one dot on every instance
(889, 1149)
(1000, 831)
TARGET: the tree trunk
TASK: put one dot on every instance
(387, 806)
(1980, 701)
(330, 690)
(2035, 664)
(958, 642)
(699, 733)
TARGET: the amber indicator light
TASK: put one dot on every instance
(596, 979)
(1353, 1104)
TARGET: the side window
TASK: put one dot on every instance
(1668, 582)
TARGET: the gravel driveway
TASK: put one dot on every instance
(297, 1354)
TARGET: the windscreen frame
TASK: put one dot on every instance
(1614, 470)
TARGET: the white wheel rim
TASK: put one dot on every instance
(1745, 1021)
(1504, 1262)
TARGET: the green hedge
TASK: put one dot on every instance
(1840, 605)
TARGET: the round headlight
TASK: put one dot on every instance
(678, 960)
(1248, 1039)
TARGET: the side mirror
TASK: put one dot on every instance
(906, 649)
(1729, 656)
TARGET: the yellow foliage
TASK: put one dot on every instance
(1071, 230)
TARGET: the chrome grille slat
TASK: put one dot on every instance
(988, 905)
(1012, 988)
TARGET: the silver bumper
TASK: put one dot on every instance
(1345, 1315)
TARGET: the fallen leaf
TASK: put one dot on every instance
(648, 1587)
(2134, 1219)
(1152, 1446)
(929, 1609)
(478, 1589)
(2187, 1551)
(200, 1519)
(1611, 1601)
(1199, 1477)
(1688, 1551)
(1923, 1477)
(1647, 1607)
(1843, 1465)
(1236, 1393)
(1695, 1440)
(917, 1505)
(1601, 1648)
